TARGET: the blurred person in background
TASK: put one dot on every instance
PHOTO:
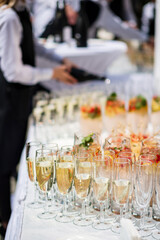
(137, 7)
(99, 15)
(148, 21)
(112, 23)
(124, 10)
(18, 76)
(44, 14)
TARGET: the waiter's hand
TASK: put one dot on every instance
(68, 64)
(62, 74)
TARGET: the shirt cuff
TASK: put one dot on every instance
(41, 75)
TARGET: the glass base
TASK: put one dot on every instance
(110, 217)
(116, 228)
(46, 215)
(144, 232)
(35, 205)
(101, 225)
(73, 210)
(156, 235)
(82, 221)
(148, 223)
(63, 218)
(91, 212)
(55, 206)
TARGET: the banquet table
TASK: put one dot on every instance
(96, 58)
(24, 223)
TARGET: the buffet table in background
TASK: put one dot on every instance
(96, 58)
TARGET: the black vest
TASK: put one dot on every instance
(15, 104)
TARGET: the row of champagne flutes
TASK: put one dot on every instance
(102, 175)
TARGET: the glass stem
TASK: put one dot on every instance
(101, 213)
(35, 192)
(84, 208)
(53, 195)
(121, 212)
(65, 205)
(150, 213)
(142, 220)
(46, 202)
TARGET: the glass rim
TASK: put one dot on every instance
(45, 146)
(140, 164)
(44, 150)
(83, 150)
(33, 143)
(146, 154)
(77, 155)
(125, 161)
(123, 152)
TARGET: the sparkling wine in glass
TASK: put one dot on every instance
(64, 179)
(131, 158)
(82, 183)
(44, 178)
(101, 188)
(143, 184)
(31, 148)
(121, 186)
(55, 205)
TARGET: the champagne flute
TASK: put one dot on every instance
(55, 205)
(91, 205)
(82, 183)
(121, 188)
(156, 234)
(143, 184)
(101, 187)
(45, 176)
(66, 155)
(31, 148)
(132, 158)
(64, 178)
(148, 221)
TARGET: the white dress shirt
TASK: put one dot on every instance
(11, 56)
(147, 14)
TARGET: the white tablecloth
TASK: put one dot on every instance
(96, 58)
(25, 225)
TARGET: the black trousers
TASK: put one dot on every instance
(15, 107)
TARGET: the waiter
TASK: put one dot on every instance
(18, 76)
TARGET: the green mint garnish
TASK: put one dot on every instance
(120, 148)
(112, 97)
(87, 141)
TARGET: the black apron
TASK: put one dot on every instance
(15, 105)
